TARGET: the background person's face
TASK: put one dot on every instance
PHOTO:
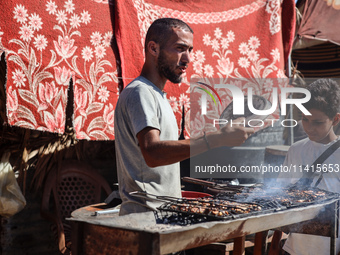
(318, 126)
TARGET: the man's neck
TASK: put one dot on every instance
(154, 78)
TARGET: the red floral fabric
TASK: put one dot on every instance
(232, 39)
(47, 43)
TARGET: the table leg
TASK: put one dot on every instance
(275, 247)
(239, 245)
(334, 228)
(260, 245)
(77, 237)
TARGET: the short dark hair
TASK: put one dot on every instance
(161, 30)
(325, 97)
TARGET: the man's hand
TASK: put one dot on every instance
(231, 135)
(157, 152)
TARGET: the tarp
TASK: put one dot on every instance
(319, 23)
(232, 39)
(46, 44)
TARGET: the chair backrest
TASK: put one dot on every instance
(74, 186)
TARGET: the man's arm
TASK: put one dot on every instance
(158, 153)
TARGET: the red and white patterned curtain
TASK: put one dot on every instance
(47, 43)
(232, 39)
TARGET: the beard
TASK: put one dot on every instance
(165, 70)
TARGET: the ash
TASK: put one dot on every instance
(178, 219)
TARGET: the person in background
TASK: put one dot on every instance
(146, 133)
(324, 107)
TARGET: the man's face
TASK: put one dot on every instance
(173, 58)
(318, 126)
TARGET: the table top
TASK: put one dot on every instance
(170, 236)
(147, 221)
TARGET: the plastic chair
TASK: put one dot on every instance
(75, 186)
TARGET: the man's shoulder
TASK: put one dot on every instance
(136, 88)
(138, 85)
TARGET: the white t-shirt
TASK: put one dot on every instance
(141, 104)
(303, 153)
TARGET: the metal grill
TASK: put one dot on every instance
(240, 204)
(212, 208)
(289, 197)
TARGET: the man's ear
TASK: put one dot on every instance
(153, 48)
(336, 119)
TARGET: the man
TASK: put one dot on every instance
(147, 147)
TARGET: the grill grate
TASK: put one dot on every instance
(205, 209)
(288, 197)
(234, 205)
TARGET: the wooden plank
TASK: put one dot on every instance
(77, 237)
(334, 228)
(239, 248)
(260, 246)
(275, 247)
(102, 240)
